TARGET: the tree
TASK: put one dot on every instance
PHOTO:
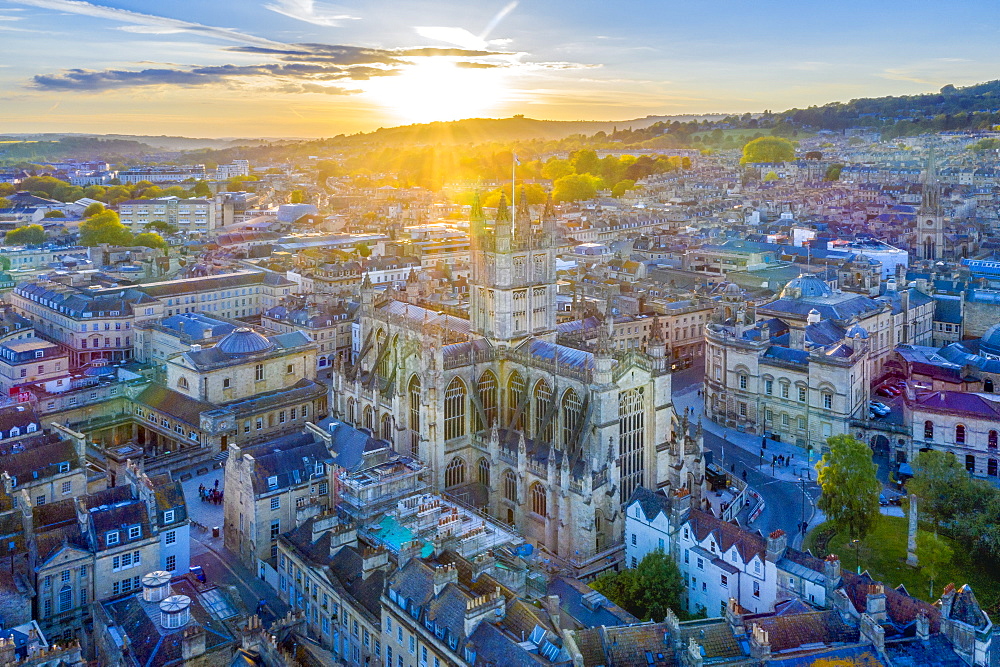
(847, 477)
(621, 187)
(104, 228)
(297, 197)
(160, 227)
(768, 149)
(4, 202)
(54, 214)
(93, 210)
(833, 172)
(938, 479)
(647, 591)
(557, 168)
(576, 187)
(201, 189)
(4, 263)
(933, 553)
(363, 250)
(151, 240)
(26, 235)
(770, 176)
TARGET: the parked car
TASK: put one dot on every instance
(882, 500)
(881, 409)
(888, 390)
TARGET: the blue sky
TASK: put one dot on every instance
(308, 68)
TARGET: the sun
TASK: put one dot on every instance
(437, 89)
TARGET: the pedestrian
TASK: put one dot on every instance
(216, 483)
(763, 442)
(744, 475)
(732, 468)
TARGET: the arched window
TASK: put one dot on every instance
(515, 392)
(539, 501)
(988, 385)
(380, 349)
(960, 435)
(454, 474)
(413, 392)
(182, 383)
(510, 486)
(992, 440)
(454, 410)
(631, 441)
(484, 472)
(487, 387)
(387, 427)
(743, 381)
(928, 430)
(543, 401)
(368, 418)
(572, 413)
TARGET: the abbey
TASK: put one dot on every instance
(549, 438)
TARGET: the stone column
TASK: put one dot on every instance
(911, 541)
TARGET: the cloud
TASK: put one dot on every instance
(464, 38)
(146, 22)
(306, 10)
(299, 74)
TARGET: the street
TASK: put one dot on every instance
(785, 505)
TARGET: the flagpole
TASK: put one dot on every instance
(513, 181)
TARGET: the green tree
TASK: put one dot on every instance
(201, 189)
(4, 263)
(151, 240)
(770, 176)
(297, 197)
(576, 187)
(768, 149)
(160, 227)
(54, 214)
(363, 250)
(646, 591)
(850, 486)
(938, 480)
(585, 161)
(621, 187)
(93, 210)
(933, 554)
(104, 228)
(4, 202)
(26, 235)
(557, 168)
(833, 172)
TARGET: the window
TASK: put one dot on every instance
(768, 387)
(743, 381)
(543, 422)
(111, 538)
(272, 483)
(455, 472)
(743, 409)
(275, 529)
(992, 440)
(258, 373)
(784, 419)
(171, 563)
(756, 589)
(170, 537)
(724, 581)
(168, 516)
(802, 394)
(928, 430)
(701, 564)
(225, 383)
(539, 499)
(784, 390)
(454, 410)
(134, 532)
(510, 486)
(633, 539)
(289, 369)
(827, 400)
(40, 500)
(487, 388)
(572, 409)
(66, 487)
(960, 435)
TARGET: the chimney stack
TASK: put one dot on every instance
(875, 604)
(777, 542)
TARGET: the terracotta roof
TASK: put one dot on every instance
(727, 535)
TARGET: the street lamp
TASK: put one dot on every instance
(857, 555)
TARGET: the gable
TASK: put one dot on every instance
(65, 554)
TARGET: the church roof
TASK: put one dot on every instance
(420, 314)
(563, 355)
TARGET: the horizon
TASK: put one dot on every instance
(305, 69)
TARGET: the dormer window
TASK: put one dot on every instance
(320, 468)
(33, 427)
(134, 532)
(112, 538)
(64, 466)
(168, 516)
(39, 354)
(272, 482)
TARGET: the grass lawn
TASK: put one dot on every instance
(883, 554)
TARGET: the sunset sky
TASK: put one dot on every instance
(274, 68)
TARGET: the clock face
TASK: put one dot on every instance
(930, 223)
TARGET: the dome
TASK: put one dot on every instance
(806, 287)
(990, 342)
(857, 331)
(243, 341)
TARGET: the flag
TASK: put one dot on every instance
(516, 160)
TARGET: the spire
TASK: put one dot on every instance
(523, 212)
(931, 199)
(476, 215)
(503, 211)
(550, 212)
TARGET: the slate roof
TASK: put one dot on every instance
(40, 460)
(290, 460)
(651, 502)
(419, 314)
(947, 308)
(952, 402)
(902, 608)
(120, 517)
(936, 651)
(789, 632)
(727, 535)
(965, 608)
(173, 403)
(572, 594)
(563, 355)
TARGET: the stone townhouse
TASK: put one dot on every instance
(47, 466)
(965, 424)
(271, 488)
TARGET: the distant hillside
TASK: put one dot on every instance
(518, 128)
(968, 108)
